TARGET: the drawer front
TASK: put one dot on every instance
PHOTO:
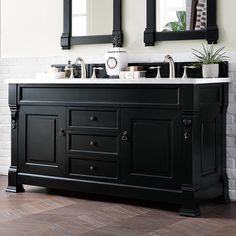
(93, 143)
(100, 94)
(94, 119)
(92, 168)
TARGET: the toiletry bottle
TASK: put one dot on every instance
(68, 70)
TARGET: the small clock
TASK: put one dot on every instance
(112, 62)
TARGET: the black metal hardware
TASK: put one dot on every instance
(124, 136)
(93, 118)
(92, 168)
(92, 143)
(62, 132)
(13, 124)
(187, 128)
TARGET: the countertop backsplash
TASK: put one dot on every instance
(150, 73)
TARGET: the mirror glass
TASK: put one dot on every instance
(181, 15)
(92, 17)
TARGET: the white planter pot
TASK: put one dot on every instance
(210, 71)
(116, 60)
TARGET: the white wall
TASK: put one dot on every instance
(32, 28)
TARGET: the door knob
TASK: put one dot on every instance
(92, 168)
(62, 132)
(92, 143)
(93, 118)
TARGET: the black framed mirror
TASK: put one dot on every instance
(180, 20)
(92, 22)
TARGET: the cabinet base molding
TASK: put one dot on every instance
(102, 188)
(117, 190)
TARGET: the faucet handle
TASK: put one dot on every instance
(72, 73)
(94, 71)
(185, 75)
(158, 76)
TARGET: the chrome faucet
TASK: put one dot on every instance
(83, 67)
(169, 59)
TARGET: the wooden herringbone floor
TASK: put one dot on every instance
(39, 212)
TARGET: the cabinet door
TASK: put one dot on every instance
(42, 140)
(151, 147)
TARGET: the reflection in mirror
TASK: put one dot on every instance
(92, 17)
(181, 20)
(181, 15)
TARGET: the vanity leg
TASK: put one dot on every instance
(190, 204)
(13, 186)
(224, 198)
(15, 189)
(190, 210)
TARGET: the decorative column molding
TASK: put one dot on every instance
(13, 186)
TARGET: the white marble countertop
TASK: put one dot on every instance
(120, 81)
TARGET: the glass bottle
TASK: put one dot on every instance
(68, 70)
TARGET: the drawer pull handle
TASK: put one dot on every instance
(93, 118)
(124, 136)
(92, 168)
(92, 143)
(62, 132)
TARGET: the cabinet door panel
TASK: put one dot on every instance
(211, 142)
(151, 147)
(41, 145)
(151, 154)
(40, 133)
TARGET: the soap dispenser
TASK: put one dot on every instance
(68, 70)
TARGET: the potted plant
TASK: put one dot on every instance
(209, 60)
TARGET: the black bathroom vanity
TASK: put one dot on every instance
(158, 140)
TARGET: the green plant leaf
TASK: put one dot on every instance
(179, 25)
(209, 56)
(199, 53)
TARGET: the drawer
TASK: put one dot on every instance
(101, 94)
(93, 119)
(92, 143)
(92, 168)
